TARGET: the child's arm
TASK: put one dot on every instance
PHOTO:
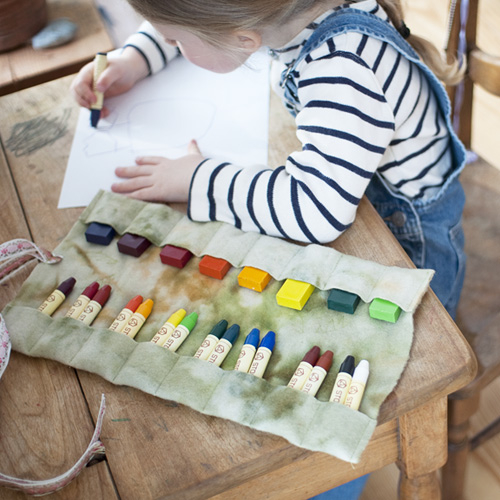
(143, 54)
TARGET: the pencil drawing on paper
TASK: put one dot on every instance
(147, 129)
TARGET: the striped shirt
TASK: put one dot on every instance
(362, 108)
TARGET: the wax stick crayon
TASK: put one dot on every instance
(168, 327)
(122, 319)
(57, 297)
(100, 63)
(224, 345)
(138, 318)
(263, 355)
(95, 305)
(357, 387)
(318, 373)
(81, 302)
(247, 352)
(304, 369)
(182, 330)
(208, 345)
(343, 381)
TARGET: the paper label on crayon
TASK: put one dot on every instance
(314, 381)
(260, 362)
(340, 388)
(121, 320)
(52, 302)
(134, 325)
(220, 352)
(177, 338)
(163, 334)
(90, 312)
(355, 394)
(206, 347)
(245, 358)
(300, 376)
(78, 306)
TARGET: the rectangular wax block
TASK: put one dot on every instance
(384, 310)
(132, 244)
(175, 256)
(294, 294)
(340, 300)
(253, 278)
(214, 267)
(98, 233)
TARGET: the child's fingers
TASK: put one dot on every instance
(131, 185)
(193, 148)
(132, 172)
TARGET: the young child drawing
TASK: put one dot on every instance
(371, 118)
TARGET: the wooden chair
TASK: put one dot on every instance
(478, 314)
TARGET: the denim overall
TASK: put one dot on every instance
(429, 230)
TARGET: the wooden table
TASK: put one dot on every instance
(157, 448)
(25, 67)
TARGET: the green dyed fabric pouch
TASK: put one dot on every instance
(264, 404)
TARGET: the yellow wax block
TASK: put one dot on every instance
(294, 294)
(253, 278)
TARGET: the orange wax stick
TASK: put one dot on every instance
(138, 318)
(122, 319)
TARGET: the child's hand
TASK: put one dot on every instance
(159, 179)
(121, 74)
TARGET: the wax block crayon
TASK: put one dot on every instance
(132, 244)
(294, 294)
(98, 233)
(384, 310)
(175, 256)
(253, 278)
(339, 300)
(214, 267)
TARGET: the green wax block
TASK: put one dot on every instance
(384, 310)
(339, 300)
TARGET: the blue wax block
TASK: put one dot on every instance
(102, 234)
(339, 300)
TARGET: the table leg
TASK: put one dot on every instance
(423, 450)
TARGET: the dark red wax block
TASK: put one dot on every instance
(132, 244)
(214, 267)
(175, 256)
(102, 234)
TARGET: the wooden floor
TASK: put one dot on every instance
(427, 18)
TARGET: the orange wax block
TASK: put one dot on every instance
(214, 267)
(253, 278)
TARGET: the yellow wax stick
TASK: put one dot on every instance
(181, 332)
(168, 327)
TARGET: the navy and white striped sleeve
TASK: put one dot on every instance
(151, 46)
(345, 126)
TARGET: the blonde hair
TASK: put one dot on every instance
(213, 20)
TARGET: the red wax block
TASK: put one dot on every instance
(132, 244)
(175, 256)
(214, 267)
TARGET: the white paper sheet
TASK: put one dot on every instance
(227, 114)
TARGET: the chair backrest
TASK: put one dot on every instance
(482, 68)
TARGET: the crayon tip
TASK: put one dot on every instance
(269, 340)
(325, 360)
(95, 114)
(91, 290)
(253, 337)
(312, 355)
(347, 365)
(102, 295)
(190, 321)
(134, 303)
(176, 317)
(362, 371)
(219, 329)
(66, 286)
(145, 308)
(232, 333)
